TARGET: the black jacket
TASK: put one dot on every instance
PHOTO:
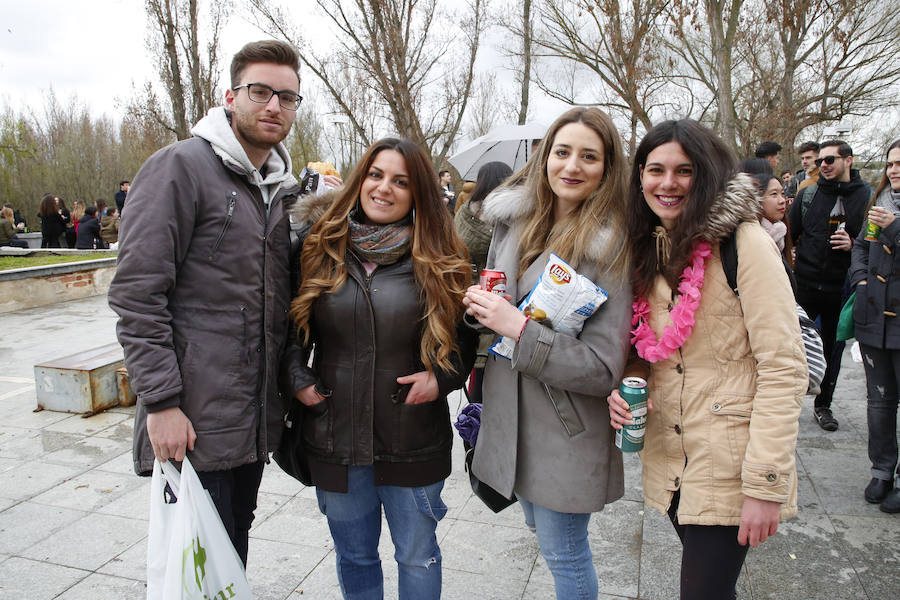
(120, 200)
(52, 226)
(817, 265)
(365, 335)
(89, 234)
(878, 301)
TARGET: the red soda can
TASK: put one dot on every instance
(493, 281)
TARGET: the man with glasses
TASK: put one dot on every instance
(825, 218)
(202, 286)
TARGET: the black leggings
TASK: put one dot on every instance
(711, 558)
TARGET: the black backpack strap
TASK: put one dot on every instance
(729, 254)
(728, 251)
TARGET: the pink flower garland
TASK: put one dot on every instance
(682, 314)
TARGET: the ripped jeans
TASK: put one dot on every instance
(882, 382)
(355, 521)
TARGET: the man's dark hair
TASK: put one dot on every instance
(264, 51)
(441, 173)
(808, 147)
(91, 211)
(844, 149)
(753, 166)
(123, 182)
(768, 149)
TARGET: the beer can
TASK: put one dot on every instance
(872, 231)
(493, 281)
(631, 437)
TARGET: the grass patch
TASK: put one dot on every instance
(21, 262)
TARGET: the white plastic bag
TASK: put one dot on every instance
(189, 553)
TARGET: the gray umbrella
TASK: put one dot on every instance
(510, 144)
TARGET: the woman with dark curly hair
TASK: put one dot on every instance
(52, 223)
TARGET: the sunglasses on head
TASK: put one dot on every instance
(828, 160)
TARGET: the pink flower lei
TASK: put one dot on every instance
(682, 314)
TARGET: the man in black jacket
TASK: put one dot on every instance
(825, 218)
(124, 186)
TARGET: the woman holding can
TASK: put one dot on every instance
(379, 306)
(726, 373)
(545, 434)
(873, 272)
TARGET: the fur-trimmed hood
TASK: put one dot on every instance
(512, 204)
(738, 203)
(310, 208)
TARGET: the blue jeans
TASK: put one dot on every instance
(563, 539)
(882, 383)
(355, 522)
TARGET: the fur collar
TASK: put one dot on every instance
(311, 207)
(512, 204)
(738, 203)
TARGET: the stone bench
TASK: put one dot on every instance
(81, 383)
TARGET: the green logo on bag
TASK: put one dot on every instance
(199, 562)
(195, 554)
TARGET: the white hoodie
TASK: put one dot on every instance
(215, 128)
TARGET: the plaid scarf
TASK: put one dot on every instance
(380, 244)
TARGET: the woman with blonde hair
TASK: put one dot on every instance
(382, 277)
(545, 434)
(8, 229)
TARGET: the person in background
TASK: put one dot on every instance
(69, 236)
(379, 307)
(725, 388)
(20, 223)
(101, 208)
(77, 213)
(774, 213)
(109, 226)
(89, 231)
(447, 190)
(545, 434)
(124, 186)
(52, 224)
(476, 235)
(770, 151)
(873, 273)
(8, 230)
(809, 173)
(824, 219)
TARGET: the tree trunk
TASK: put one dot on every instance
(526, 61)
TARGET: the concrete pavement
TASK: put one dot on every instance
(73, 516)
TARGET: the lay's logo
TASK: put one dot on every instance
(560, 275)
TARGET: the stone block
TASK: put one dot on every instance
(80, 383)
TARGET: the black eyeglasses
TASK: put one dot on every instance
(261, 93)
(828, 160)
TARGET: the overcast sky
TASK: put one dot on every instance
(95, 50)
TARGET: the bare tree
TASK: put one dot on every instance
(611, 40)
(488, 106)
(704, 41)
(399, 53)
(517, 18)
(188, 67)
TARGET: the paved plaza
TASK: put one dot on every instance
(73, 516)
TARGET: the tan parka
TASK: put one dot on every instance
(726, 405)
